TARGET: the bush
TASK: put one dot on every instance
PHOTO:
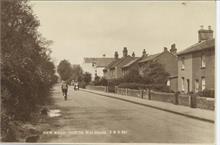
(207, 93)
(82, 84)
(138, 86)
(101, 82)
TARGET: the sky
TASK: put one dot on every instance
(91, 29)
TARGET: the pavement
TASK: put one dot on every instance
(87, 117)
(196, 113)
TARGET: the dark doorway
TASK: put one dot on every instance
(188, 85)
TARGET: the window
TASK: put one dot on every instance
(203, 63)
(203, 83)
(168, 82)
(196, 86)
(182, 63)
(183, 87)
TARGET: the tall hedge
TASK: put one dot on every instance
(27, 72)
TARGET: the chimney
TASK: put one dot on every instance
(173, 49)
(125, 52)
(144, 52)
(116, 55)
(103, 55)
(165, 49)
(133, 54)
(205, 34)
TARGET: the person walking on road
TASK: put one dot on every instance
(64, 88)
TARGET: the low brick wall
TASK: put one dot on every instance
(183, 100)
(205, 103)
(134, 93)
(161, 96)
(97, 88)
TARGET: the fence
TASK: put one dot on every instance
(178, 99)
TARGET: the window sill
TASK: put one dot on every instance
(182, 69)
(202, 67)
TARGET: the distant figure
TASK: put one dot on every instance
(64, 88)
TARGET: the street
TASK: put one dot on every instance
(87, 117)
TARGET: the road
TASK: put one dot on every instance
(87, 117)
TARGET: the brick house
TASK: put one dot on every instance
(96, 65)
(168, 59)
(196, 64)
(115, 69)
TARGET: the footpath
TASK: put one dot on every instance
(195, 113)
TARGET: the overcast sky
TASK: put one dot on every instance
(91, 29)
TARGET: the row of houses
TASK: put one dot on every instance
(191, 70)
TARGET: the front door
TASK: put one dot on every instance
(188, 86)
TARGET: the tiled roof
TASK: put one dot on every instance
(131, 62)
(150, 57)
(126, 61)
(99, 62)
(208, 44)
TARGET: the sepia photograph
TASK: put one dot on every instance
(108, 72)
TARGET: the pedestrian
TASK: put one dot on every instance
(64, 88)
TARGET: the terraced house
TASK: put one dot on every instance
(196, 64)
(115, 69)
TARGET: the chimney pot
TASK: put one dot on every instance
(209, 27)
(125, 52)
(204, 34)
(144, 52)
(165, 49)
(133, 54)
(116, 55)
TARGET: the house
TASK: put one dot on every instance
(168, 59)
(133, 64)
(196, 64)
(115, 69)
(95, 66)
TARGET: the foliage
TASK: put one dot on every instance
(139, 86)
(101, 82)
(155, 73)
(133, 76)
(27, 72)
(207, 93)
(77, 73)
(65, 70)
(86, 77)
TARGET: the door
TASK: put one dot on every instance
(188, 86)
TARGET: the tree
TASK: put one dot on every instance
(77, 73)
(65, 70)
(27, 72)
(133, 76)
(155, 73)
(87, 77)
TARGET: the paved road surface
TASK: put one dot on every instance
(87, 117)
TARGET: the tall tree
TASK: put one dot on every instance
(65, 70)
(77, 73)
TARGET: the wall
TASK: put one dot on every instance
(163, 97)
(169, 62)
(205, 103)
(183, 100)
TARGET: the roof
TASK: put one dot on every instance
(149, 57)
(208, 44)
(131, 62)
(100, 62)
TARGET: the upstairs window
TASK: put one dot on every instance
(168, 82)
(182, 63)
(203, 62)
